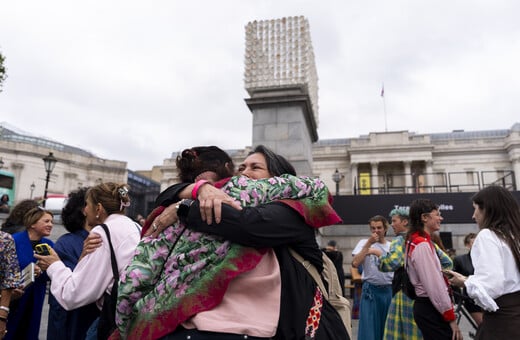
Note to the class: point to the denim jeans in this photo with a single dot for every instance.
(92, 331)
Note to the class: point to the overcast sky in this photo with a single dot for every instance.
(135, 81)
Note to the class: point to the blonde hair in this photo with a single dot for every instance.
(33, 215)
(112, 196)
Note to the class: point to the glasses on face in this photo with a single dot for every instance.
(433, 214)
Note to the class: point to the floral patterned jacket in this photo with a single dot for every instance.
(182, 272)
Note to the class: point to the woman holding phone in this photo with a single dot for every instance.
(25, 313)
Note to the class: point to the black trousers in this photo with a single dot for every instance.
(430, 321)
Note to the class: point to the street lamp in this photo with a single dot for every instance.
(32, 187)
(49, 161)
(337, 177)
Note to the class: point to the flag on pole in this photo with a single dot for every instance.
(383, 90)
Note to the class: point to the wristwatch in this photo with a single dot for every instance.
(183, 208)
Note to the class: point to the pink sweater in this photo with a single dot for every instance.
(424, 269)
(251, 304)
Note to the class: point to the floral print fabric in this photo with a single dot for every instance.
(9, 268)
(183, 272)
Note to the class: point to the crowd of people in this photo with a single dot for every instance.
(486, 280)
(226, 254)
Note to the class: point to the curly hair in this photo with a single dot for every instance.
(72, 213)
(379, 218)
(194, 161)
(403, 213)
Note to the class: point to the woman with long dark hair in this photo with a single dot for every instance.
(495, 285)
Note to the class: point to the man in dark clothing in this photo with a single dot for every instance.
(337, 258)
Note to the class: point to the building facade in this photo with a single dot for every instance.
(402, 165)
(380, 163)
(22, 155)
(405, 162)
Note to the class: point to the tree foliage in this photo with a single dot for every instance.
(3, 73)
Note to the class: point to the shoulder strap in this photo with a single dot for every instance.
(139, 229)
(312, 270)
(113, 260)
(407, 253)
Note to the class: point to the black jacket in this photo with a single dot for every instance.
(277, 226)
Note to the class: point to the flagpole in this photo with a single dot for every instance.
(384, 105)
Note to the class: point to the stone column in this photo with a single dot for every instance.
(281, 79)
(429, 175)
(408, 176)
(516, 169)
(354, 178)
(375, 179)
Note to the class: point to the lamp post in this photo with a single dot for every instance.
(337, 177)
(32, 187)
(49, 161)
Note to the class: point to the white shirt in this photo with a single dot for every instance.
(496, 273)
(93, 274)
(371, 272)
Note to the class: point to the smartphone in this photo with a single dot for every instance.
(43, 249)
(447, 274)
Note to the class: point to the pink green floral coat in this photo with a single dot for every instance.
(182, 272)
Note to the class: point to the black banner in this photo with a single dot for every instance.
(455, 207)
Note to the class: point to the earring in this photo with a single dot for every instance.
(97, 217)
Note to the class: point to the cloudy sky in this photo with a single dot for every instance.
(135, 81)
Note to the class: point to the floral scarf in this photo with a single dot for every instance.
(182, 272)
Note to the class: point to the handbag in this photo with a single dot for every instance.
(334, 295)
(107, 318)
(406, 285)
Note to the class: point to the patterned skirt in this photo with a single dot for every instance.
(400, 324)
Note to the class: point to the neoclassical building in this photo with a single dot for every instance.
(401, 162)
(378, 164)
(384, 169)
(22, 155)
(405, 162)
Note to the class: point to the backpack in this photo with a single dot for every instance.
(334, 295)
